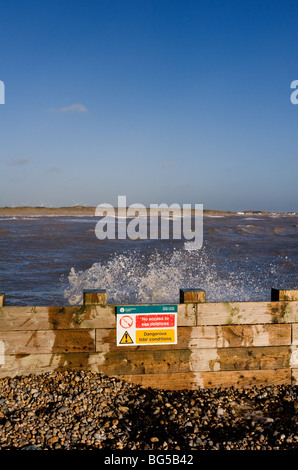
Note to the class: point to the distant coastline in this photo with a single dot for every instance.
(90, 211)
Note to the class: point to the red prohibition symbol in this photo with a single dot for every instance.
(126, 321)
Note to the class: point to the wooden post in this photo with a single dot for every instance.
(95, 297)
(2, 300)
(284, 294)
(192, 296)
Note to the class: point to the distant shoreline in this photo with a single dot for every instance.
(90, 211)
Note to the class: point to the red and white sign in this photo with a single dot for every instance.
(155, 321)
(126, 321)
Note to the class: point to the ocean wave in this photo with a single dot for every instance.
(16, 217)
(137, 278)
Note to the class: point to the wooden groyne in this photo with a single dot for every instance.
(221, 344)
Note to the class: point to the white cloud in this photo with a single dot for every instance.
(78, 108)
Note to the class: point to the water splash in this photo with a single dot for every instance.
(135, 277)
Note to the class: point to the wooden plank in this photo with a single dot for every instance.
(294, 376)
(24, 364)
(228, 313)
(2, 300)
(186, 314)
(85, 316)
(295, 334)
(41, 363)
(189, 381)
(145, 361)
(185, 360)
(270, 357)
(48, 341)
(209, 337)
(99, 316)
(240, 336)
(217, 313)
(294, 357)
(44, 318)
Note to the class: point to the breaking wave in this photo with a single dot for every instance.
(135, 277)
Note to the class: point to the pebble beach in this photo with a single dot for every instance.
(81, 410)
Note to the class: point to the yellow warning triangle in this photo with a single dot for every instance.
(126, 339)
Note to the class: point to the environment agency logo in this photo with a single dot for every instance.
(159, 221)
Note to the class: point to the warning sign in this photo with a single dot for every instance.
(155, 336)
(153, 321)
(126, 339)
(146, 325)
(126, 321)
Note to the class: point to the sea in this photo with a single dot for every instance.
(50, 260)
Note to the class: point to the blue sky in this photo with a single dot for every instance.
(162, 101)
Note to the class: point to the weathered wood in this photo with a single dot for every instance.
(294, 357)
(189, 381)
(192, 296)
(103, 316)
(295, 334)
(268, 357)
(24, 364)
(2, 300)
(224, 336)
(185, 360)
(48, 341)
(41, 363)
(219, 344)
(294, 376)
(44, 318)
(145, 362)
(94, 297)
(85, 316)
(284, 294)
(151, 362)
(228, 313)
(209, 337)
(186, 314)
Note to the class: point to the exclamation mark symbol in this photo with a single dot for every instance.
(126, 339)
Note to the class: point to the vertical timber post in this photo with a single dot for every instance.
(95, 297)
(2, 300)
(192, 296)
(284, 294)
